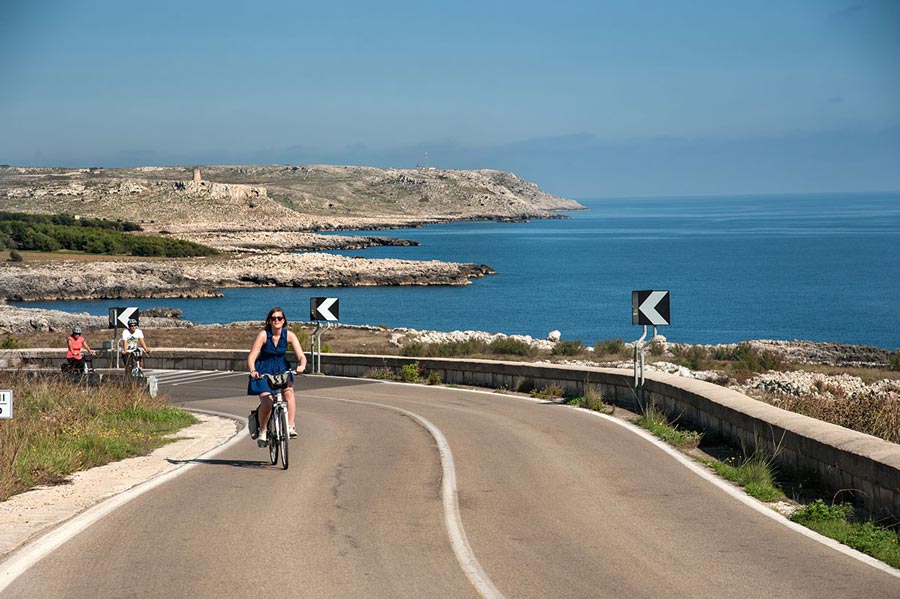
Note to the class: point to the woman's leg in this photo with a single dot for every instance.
(292, 409)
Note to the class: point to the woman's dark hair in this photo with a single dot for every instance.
(269, 318)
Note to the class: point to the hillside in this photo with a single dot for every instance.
(311, 197)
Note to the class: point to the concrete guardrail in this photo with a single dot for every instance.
(851, 465)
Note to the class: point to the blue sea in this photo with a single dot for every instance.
(813, 267)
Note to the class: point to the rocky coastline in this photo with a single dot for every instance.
(206, 277)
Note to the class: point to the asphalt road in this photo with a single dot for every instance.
(554, 502)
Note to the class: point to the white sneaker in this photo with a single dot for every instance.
(292, 432)
(263, 438)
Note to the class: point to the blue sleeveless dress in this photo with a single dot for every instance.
(271, 360)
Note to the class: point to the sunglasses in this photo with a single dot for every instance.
(277, 318)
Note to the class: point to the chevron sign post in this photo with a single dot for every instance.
(648, 308)
(321, 308)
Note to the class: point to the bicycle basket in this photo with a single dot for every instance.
(279, 380)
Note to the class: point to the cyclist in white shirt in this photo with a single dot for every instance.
(132, 342)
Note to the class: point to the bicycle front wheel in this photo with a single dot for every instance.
(284, 439)
(273, 437)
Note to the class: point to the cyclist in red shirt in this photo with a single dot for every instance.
(77, 346)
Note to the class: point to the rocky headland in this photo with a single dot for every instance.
(276, 198)
(267, 221)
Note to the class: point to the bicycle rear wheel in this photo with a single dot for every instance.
(284, 439)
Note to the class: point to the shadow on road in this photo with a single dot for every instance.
(234, 463)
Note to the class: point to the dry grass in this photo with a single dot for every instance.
(878, 416)
(59, 428)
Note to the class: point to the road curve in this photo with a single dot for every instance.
(552, 502)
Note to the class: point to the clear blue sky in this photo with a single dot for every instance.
(586, 98)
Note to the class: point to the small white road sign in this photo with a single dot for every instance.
(6, 404)
(324, 308)
(650, 308)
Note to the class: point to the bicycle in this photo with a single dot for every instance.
(80, 371)
(277, 428)
(133, 367)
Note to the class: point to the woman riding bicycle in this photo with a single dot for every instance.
(267, 356)
(77, 346)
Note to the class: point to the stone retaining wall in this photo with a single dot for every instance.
(847, 463)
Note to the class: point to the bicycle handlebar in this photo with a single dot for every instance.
(280, 380)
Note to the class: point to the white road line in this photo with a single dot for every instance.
(204, 377)
(193, 375)
(171, 374)
(27, 556)
(458, 540)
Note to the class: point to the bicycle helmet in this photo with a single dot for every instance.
(76, 331)
(132, 321)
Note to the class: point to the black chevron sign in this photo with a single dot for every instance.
(324, 308)
(650, 308)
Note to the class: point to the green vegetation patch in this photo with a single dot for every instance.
(60, 428)
(51, 233)
(754, 474)
(836, 522)
(568, 347)
(655, 421)
(591, 400)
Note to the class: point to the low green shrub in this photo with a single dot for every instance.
(609, 347)
(752, 359)
(753, 473)
(571, 347)
(409, 373)
(894, 360)
(548, 392)
(511, 347)
(836, 521)
(591, 400)
(654, 420)
(695, 357)
(10, 342)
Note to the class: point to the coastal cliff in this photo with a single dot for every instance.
(276, 198)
